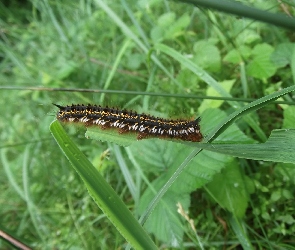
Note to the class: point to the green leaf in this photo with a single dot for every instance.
(282, 56)
(261, 66)
(287, 171)
(238, 55)
(206, 104)
(207, 56)
(165, 222)
(177, 27)
(248, 36)
(168, 27)
(211, 117)
(230, 190)
(186, 77)
(188, 64)
(276, 195)
(245, 110)
(134, 61)
(166, 19)
(102, 193)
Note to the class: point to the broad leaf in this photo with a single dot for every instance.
(261, 66)
(207, 56)
(282, 56)
(231, 189)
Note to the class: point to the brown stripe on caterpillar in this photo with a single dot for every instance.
(129, 121)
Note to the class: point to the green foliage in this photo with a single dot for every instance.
(261, 66)
(207, 104)
(283, 54)
(207, 56)
(168, 27)
(237, 55)
(231, 189)
(184, 55)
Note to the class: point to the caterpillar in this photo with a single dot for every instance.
(129, 121)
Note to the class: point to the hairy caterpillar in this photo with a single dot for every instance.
(129, 121)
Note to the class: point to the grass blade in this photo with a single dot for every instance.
(239, 9)
(278, 148)
(238, 227)
(102, 193)
(253, 106)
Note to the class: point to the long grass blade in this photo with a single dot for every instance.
(102, 193)
(239, 9)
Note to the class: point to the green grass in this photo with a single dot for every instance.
(235, 193)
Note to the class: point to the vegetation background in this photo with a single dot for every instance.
(64, 51)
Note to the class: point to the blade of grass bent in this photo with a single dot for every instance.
(239, 9)
(278, 148)
(253, 106)
(102, 193)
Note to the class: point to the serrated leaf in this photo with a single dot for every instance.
(207, 56)
(230, 189)
(177, 27)
(248, 36)
(261, 66)
(166, 19)
(282, 55)
(168, 27)
(165, 222)
(238, 55)
(186, 77)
